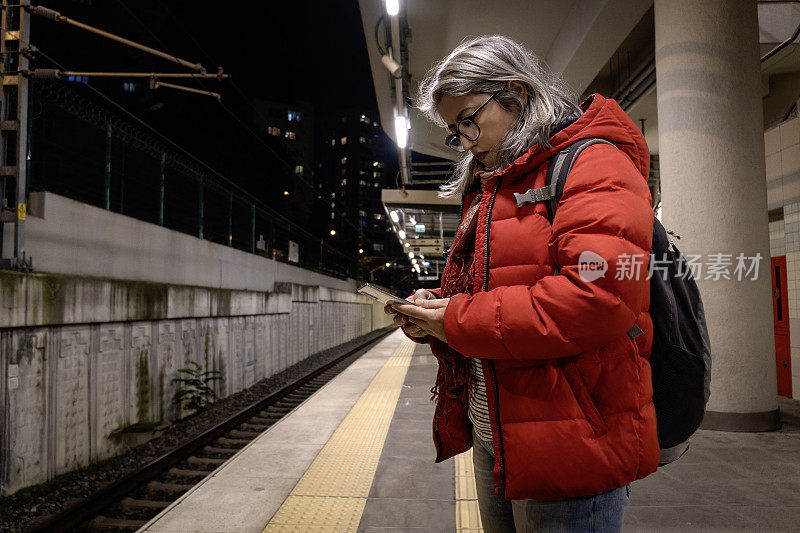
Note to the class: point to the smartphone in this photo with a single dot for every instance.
(381, 295)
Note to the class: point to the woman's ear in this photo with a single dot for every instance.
(519, 88)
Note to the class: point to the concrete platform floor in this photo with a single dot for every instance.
(725, 482)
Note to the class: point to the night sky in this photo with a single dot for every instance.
(287, 51)
(312, 51)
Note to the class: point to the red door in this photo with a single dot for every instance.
(780, 315)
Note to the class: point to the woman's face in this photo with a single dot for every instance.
(493, 120)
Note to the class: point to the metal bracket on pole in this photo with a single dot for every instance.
(14, 43)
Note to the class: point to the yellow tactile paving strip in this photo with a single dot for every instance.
(468, 519)
(332, 493)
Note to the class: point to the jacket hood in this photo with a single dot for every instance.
(602, 118)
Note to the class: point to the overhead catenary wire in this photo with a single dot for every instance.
(58, 17)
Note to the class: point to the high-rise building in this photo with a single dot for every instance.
(291, 126)
(354, 161)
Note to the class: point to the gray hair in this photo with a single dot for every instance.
(484, 65)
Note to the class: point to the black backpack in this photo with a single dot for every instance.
(681, 355)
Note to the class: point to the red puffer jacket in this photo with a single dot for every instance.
(569, 392)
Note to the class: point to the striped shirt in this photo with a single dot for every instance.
(478, 411)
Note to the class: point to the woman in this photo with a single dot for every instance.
(536, 370)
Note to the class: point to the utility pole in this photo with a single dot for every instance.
(14, 42)
(15, 50)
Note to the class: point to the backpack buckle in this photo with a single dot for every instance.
(535, 195)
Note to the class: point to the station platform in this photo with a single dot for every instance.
(358, 455)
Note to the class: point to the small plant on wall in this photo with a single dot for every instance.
(195, 392)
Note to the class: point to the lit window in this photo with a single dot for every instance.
(343, 140)
(129, 86)
(362, 182)
(273, 130)
(375, 124)
(298, 169)
(79, 79)
(333, 142)
(377, 247)
(344, 182)
(343, 160)
(376, 174)
(378, 216)
(291, 116)
(362, 213)
(333, 195)
(362, 140)
(332, 215)
(364, 119)
(289, 135)
(333, 204)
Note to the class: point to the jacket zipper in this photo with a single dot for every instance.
(491, 363)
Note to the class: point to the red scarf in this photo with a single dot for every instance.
(453, 379)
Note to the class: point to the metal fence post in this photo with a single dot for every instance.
(200, 211)
(253, 228)
(163, 186)
(230, 219)
(272, 237)
(107, 202)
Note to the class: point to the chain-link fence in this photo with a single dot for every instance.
(83, 150)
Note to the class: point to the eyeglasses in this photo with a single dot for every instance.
(467, 128)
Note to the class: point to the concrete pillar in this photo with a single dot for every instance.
(711, 151)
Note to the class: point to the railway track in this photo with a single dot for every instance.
(127, 504)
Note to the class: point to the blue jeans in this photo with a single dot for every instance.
(600, 513)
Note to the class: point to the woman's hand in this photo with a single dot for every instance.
(428, 315)
(403, 321)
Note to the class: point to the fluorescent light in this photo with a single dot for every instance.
(411, 255)
(412, 220)
(392, 7)
(394, 216)
(401, 131)
(402, 234)
(414, 261)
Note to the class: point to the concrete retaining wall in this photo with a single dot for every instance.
(64, 236)
(83, 358)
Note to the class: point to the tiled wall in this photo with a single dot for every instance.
(782, 147)
(777, 243)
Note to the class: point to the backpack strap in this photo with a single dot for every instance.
(560, 167)
(557, 172)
